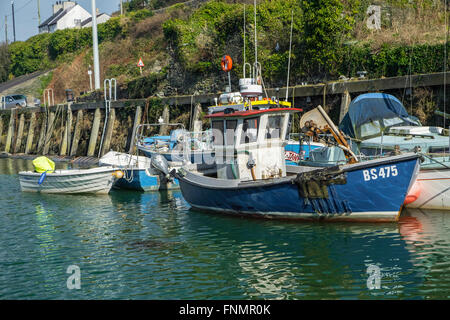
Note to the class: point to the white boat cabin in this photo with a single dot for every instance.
(249, 144)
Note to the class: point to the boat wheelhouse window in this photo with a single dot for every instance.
(250, 130)
(217, 129)
(438, 150)
(230, 132)
(370, 151)
(273, 127)
(392, 121)
(370, 129)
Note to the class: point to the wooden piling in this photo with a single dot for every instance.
(30, 136)
(345, 102)
(19, 134)
(77, 133)
(109, 131)
(9, 137)
(165, 115)
(43, 129)
(65, 143)
(1, 130)
(196, 122)
(49, 133)
(94, 133)
(137, 121)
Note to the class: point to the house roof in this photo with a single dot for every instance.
(56, 16)
(85, 22)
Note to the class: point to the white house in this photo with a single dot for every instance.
(101, 18)
(69, 14)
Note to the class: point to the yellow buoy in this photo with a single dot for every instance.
(118, 174)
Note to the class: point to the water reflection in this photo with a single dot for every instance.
(10, 166)
(282, 260)
(152, 246)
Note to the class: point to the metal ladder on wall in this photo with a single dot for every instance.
(107, 84)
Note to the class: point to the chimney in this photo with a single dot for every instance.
(68, 4)
(97, 11)
(57, 6)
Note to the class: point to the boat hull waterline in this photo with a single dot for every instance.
(142, 180)
(138, 174)
(365, 196)
(433, 189)
(96, 181)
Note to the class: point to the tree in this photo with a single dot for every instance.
(326, 24)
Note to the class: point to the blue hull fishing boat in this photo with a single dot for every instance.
(252, 178)
(372, 191)
(139, 173)
(178, 147)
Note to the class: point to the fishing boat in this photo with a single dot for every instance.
(139, 173)
(257, 182)
(252, 178)
(71, 181)
(381, 126)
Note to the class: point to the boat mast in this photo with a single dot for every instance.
(289, 60)
(244, 39)
(256, 45)
(445, 58)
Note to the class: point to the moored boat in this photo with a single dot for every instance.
(347, 193)
(252, 177)
(178, 147)
(382, 127)
(139, 174)
(72, 181)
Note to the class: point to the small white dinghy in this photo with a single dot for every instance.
(95, 180)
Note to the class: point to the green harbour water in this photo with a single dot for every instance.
(132, 245)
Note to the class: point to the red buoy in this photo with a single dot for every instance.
(413, 194)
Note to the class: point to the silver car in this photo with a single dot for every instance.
(13, 101)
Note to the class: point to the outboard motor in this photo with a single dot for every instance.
(160, 163)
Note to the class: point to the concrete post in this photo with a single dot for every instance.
(9, 137)
(19, 133)
(94, 133)
(30, 136)
(137, 121)
(345, 102)
(109, 132)
(76, 134)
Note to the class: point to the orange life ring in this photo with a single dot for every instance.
(226, 63)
